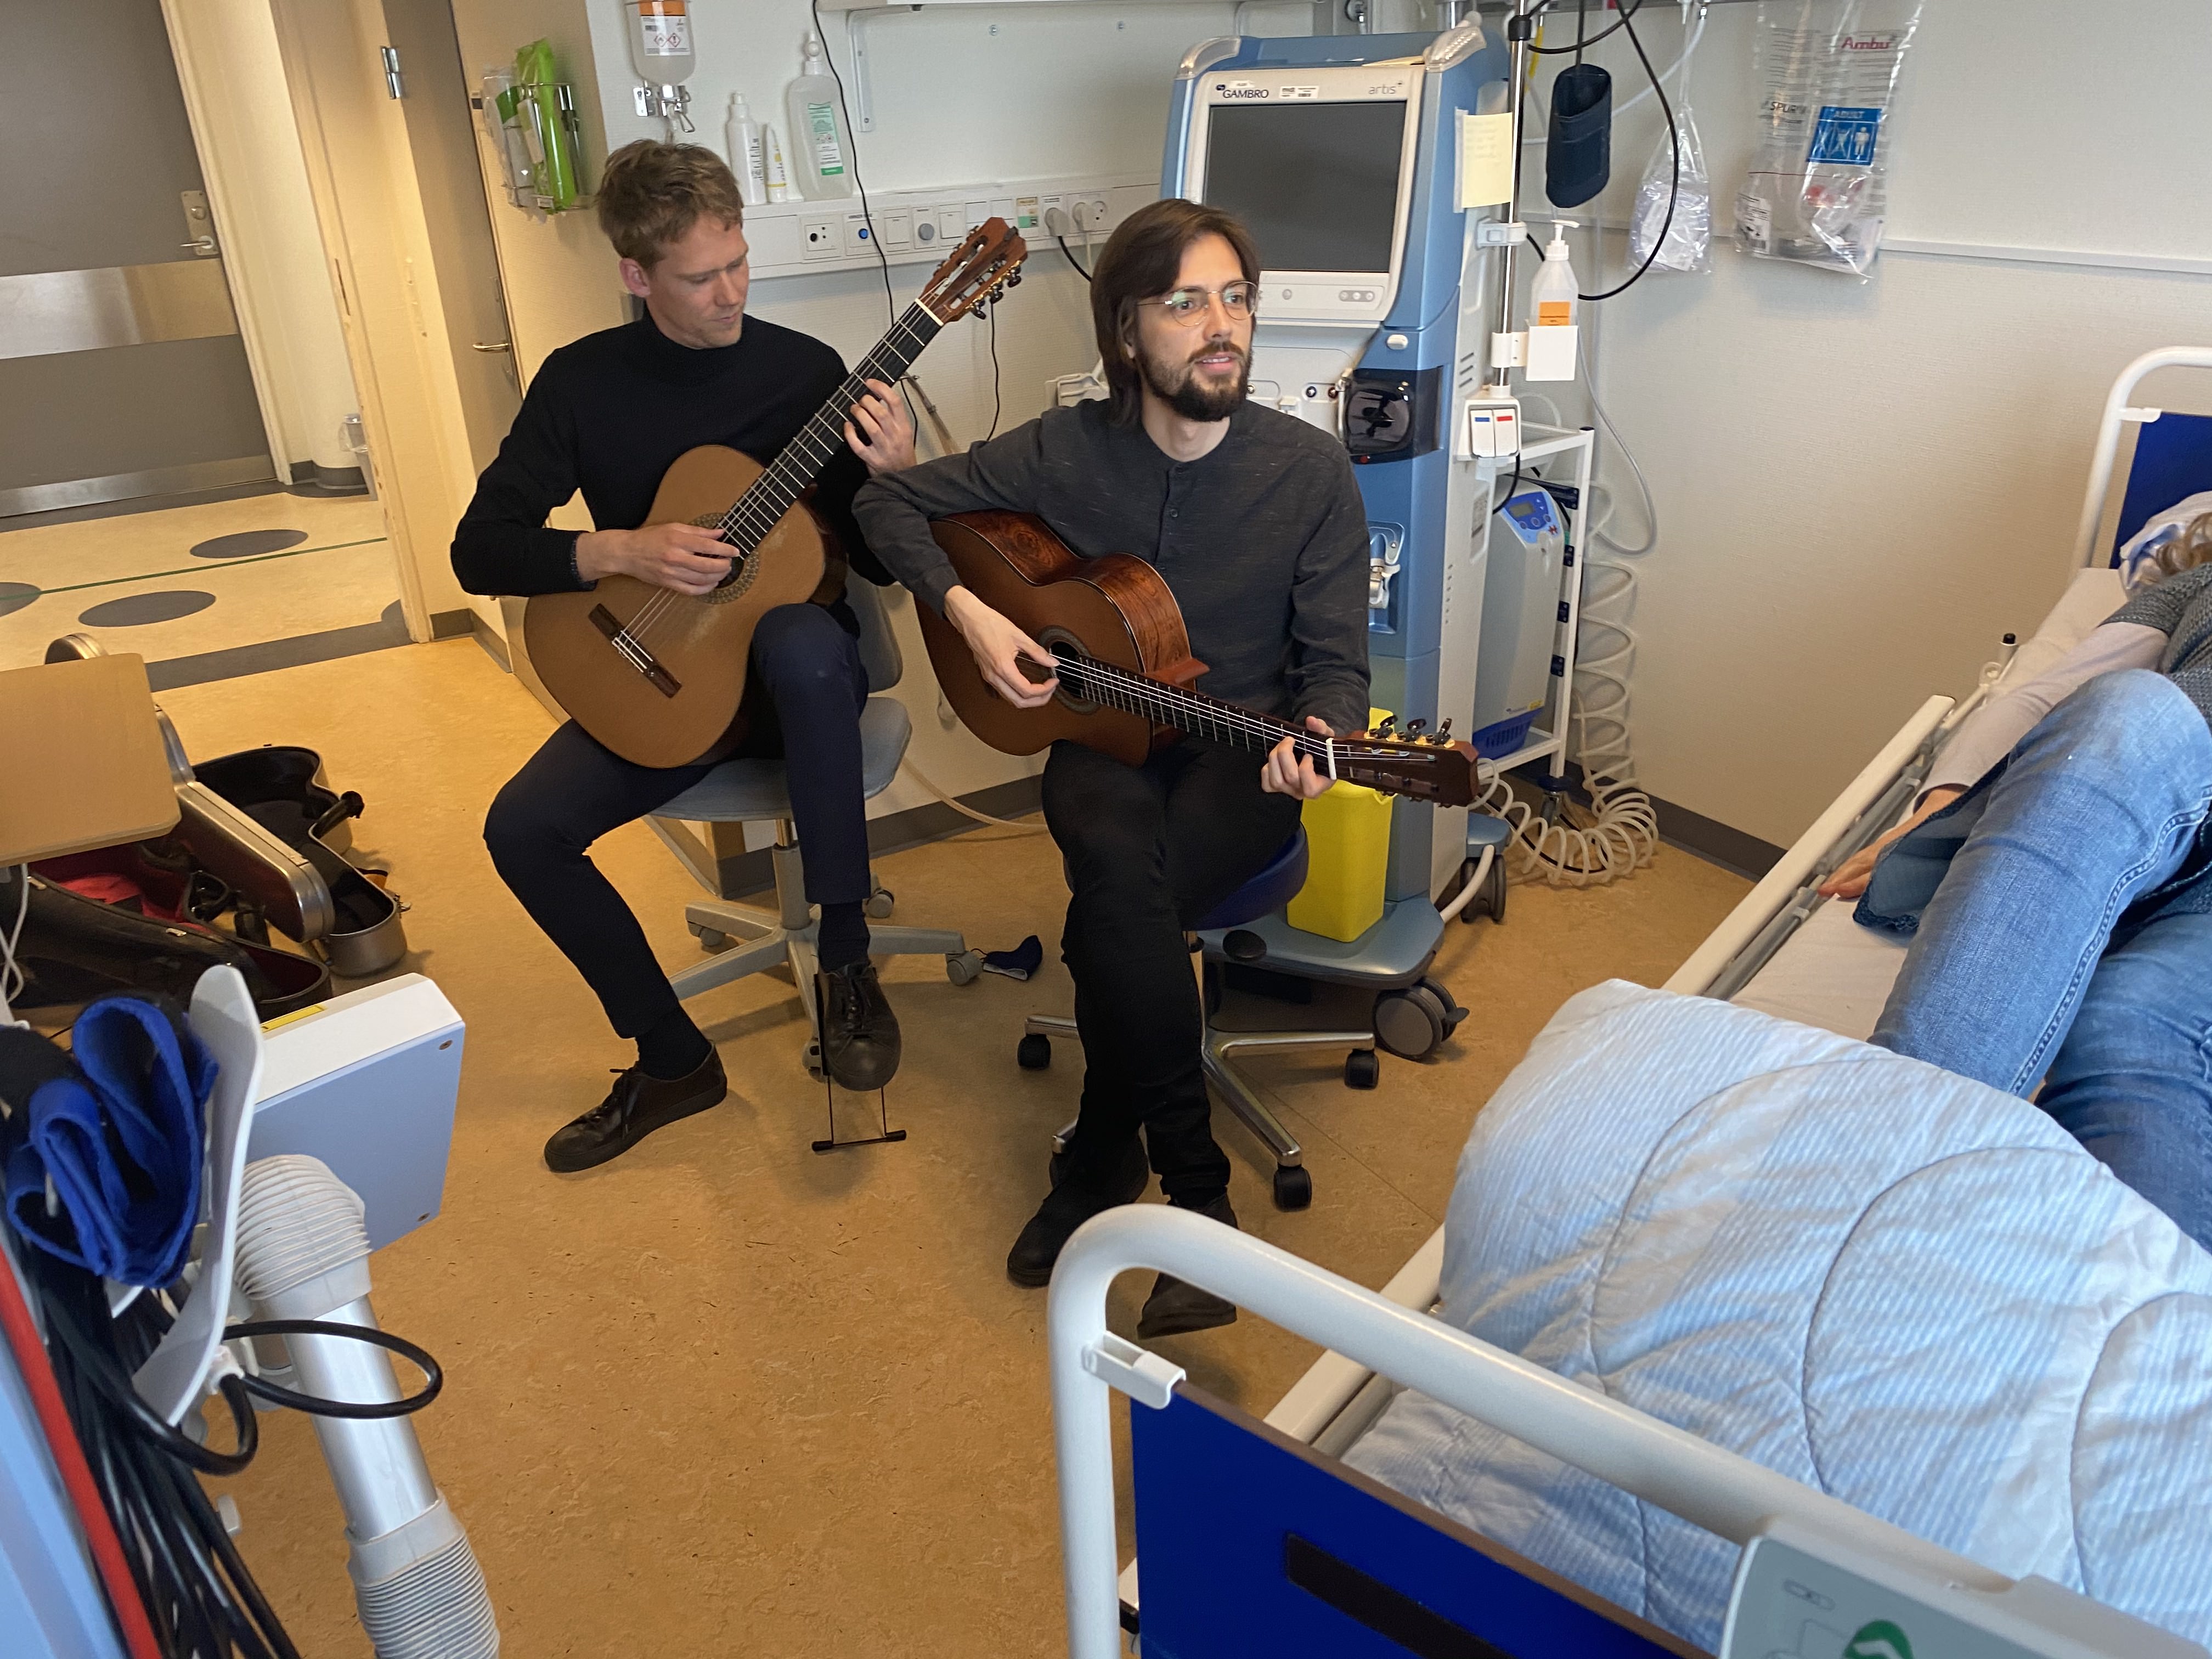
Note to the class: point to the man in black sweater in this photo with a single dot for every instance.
(606, 415)
(1255, 523)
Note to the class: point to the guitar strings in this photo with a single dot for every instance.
(1138, 693)
(751, 517)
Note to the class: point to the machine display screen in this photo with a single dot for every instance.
(1317, 183)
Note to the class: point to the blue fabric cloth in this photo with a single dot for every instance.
(2061, 918)
(118, 1127)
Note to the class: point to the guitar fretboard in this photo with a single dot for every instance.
(746, 524)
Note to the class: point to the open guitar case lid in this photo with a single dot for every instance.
(266, 822)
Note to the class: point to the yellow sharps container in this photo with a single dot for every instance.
(1347, 858)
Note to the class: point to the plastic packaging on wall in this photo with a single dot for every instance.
(1689, 228)
(1828, 73)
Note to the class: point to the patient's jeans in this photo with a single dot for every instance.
(806, 668)
(2062, 921)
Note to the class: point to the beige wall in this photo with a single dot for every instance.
(1861, 486)
(249, 143)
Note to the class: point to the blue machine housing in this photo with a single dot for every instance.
(1421, 502)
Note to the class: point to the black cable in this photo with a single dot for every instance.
(853, 155)
(1627, 12)
(434, 1374)
(1674, 138)
(1070, 252)
(998, 403)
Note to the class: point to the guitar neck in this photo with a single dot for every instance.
(746, 524)
(1193, 712)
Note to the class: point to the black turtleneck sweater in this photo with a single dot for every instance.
(608, 414)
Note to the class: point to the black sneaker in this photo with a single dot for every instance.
(1173, 1308)
(860, 1032)
(1073, 1201)
(637, 1105)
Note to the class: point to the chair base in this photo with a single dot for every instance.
(1293, 1186)
(788, 935)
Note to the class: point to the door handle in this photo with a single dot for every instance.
(202, 245)
(491, 347)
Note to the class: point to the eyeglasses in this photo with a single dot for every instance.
(1188, 305)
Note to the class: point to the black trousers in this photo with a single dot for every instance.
(807, 687)
(1149, 850)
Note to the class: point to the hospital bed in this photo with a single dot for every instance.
(1785, 952)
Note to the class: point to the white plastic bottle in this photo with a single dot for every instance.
(748, 157)
(779, 180)
(1552, 296)
(1553, 302)
(819, 142)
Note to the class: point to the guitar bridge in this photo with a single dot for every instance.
(634, 654)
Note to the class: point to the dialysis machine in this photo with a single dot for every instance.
(1339, 152)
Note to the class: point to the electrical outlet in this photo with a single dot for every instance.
(1089, 212)
(819, 237)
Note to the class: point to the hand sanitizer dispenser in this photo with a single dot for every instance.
(820, 151)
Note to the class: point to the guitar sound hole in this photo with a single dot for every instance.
(1060, 642)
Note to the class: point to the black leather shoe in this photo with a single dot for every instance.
(636, 1106)
(1173, 1308)
(860, 1032)
(1074, 1200)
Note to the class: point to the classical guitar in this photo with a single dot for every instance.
(660, 676)
(1125, 667)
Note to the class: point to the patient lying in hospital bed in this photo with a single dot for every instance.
(2056, 884)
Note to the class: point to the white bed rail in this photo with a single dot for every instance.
(1705, 1485)
(2118, 412)
(1796, 866)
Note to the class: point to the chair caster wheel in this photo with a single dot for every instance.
(1293, 1188)
(1455, 1016)
(1411, 1022)
(709, 941)
(965, 968)
(1034, 1052)
(878, 903)
(1362, 1070)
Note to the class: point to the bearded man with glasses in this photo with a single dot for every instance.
(1254, 522)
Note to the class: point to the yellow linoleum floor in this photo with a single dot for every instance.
(339, 575)
(724, 1396)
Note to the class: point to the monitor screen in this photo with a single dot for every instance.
(1317, 183)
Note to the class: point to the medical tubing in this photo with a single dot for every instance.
(966, 810)
(1674, 138)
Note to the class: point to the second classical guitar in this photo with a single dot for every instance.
(1124, 666)
(660, 676)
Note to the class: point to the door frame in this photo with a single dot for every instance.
(376, 245)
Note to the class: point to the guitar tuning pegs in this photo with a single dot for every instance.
(1444, 732)
(1383, 730)
(1415, 727)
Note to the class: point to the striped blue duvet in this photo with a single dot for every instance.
(1896, 1285)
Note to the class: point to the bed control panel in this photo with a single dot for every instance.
(1799, 1595)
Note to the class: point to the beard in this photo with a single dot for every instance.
(1179, 387)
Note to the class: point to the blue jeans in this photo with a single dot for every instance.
(2062, 930)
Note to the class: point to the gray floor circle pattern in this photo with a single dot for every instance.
(14, 596)
(245, 543)
(137, 610)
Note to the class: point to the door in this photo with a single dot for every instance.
(121, 370)
(435, 98)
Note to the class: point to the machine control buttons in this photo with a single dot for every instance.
(1396, 342)
(1363, 296)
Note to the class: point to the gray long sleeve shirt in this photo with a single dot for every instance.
(1263, 541)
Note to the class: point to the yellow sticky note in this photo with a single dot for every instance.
(1485, 160)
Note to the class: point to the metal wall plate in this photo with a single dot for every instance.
(46, 313)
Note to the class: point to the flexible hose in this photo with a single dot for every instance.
(963, 809)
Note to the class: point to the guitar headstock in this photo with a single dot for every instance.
(1438, 771)
(987, 262)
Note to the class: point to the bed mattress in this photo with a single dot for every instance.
(1907, 1289)
(1833, 973)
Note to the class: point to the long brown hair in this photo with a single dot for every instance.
(1141, 262)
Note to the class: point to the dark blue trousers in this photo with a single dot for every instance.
(807, 687)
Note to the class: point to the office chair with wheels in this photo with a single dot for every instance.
(749, 940)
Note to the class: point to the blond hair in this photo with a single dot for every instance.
(650, 194)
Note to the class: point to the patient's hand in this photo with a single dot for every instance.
(1852, 875)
